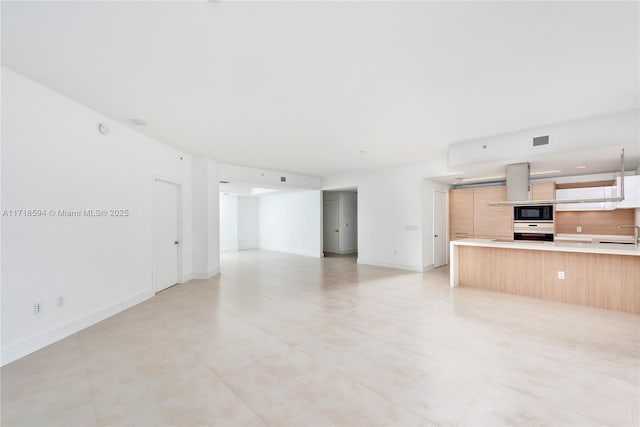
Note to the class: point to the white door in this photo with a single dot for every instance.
(439, 228)
(331, 226)
(166, 239)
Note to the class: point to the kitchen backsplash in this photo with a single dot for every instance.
(596, 222)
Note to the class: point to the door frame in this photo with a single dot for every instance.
(446, 226)
(178, 185)
(339, 200)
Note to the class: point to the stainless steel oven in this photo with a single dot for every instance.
(533, 213)
(533, 231)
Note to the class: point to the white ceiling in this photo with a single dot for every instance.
(304, 87)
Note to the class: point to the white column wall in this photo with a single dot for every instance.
(228, 223)
(291, 222)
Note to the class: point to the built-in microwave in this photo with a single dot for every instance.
(537, 213)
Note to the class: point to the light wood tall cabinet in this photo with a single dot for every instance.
(491, 222)
(471, 216)
(461, 213)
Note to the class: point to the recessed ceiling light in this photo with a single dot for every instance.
(581, 167)
(137, 122)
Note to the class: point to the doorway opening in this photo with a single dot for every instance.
(340, 222)
(239, 229)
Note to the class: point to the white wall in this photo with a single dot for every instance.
(54, 158)
(213, 219)
(291, 222)
(391, 213)
(248, 235)
(228, 223)
(206, 251)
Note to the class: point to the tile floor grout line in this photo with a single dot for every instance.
(86, 374)
(308, 408)
(206, 366)
(423, 418)
(480, 389)
(228, 387)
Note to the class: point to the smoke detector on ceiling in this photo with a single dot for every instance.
(103, 129)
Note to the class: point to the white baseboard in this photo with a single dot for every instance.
(289, 251)
(29, 345)
(407, 267)
(205, 276)
(186, 278)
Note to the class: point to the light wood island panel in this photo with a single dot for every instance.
(598, 280)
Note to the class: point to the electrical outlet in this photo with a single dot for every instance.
(37, 308)
(579, 229)
(60, 301)
(561, 275)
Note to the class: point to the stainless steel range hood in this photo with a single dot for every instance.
(518, 188)
(518, 181)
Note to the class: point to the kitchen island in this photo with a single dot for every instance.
(594, 274)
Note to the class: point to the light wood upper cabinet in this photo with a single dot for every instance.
(491, 222)
(543, 191)
(461, 213)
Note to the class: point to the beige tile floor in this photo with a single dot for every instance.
(287, 340)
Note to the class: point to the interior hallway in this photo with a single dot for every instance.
(282, 339)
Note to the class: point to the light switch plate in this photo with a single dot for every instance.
(561, 275)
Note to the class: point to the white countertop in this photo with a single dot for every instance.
(594, 238)
(559, 246)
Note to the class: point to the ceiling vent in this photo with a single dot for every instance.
(541, 140)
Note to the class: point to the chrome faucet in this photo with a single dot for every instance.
(636, 231)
